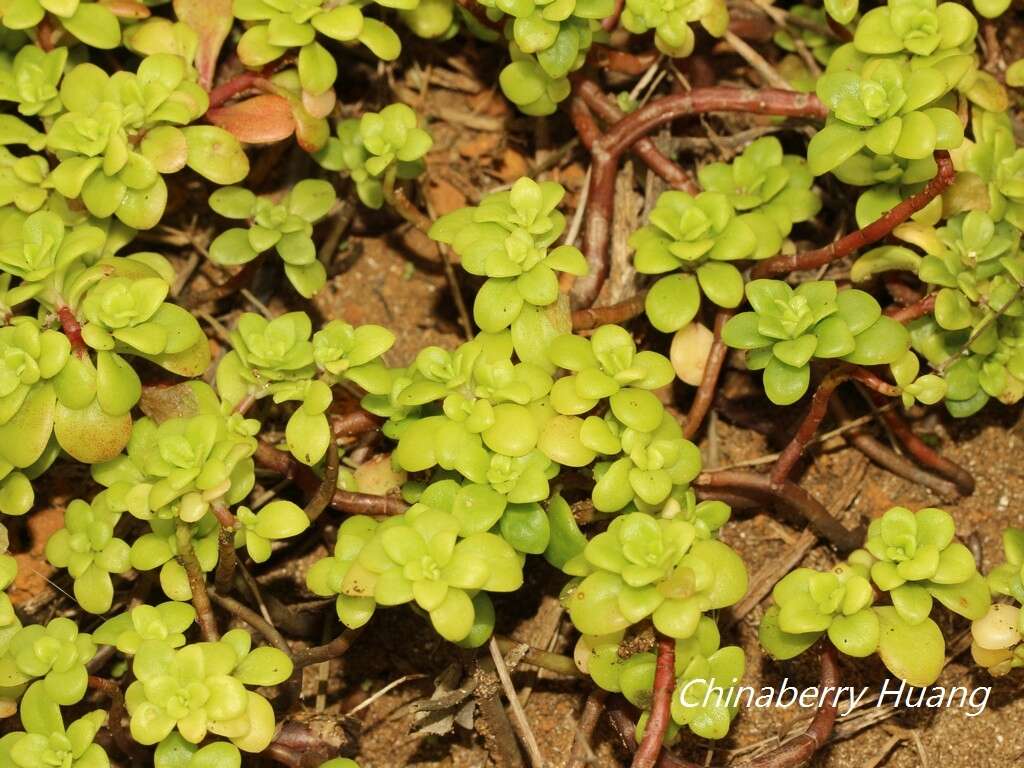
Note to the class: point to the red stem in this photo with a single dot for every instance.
(606, 109)
(592, 317)
(872, 233)
(819, 407)
(116, 715)
(789, 495)
(605, 58)
(923, 453)
(920, 308)
(661, 703)
(705, 395)
(608, 150)
(795, 752)
(72, 329)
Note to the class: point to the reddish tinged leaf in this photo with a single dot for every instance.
(126, 9)
(260, 120)
(211, 20)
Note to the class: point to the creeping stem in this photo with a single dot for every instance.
(872, 233)
(705, 395)
(661, 705)
(607, 151)
(197, 583)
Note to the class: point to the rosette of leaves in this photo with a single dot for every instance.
(55, 654)
(377, 149)
(87, 547)
(643, 566)
(44, 253)
(328, 576)
(655, 462)
(979, 269)
(276, 521)
(530, 86)
(45, 740)
(916, 559)
(507, 239)
(764, 180)
(119, 302)
(695, 238)
(279, 26)
(93, 23)
(602, 366)
(443, 561)
(31, 78)
(787, 328)
(278, 358)
(821, 46)
(285, 226)
(30, 359)
(547, 40)
(809, 603)
(175, 752)
(885, 105)
(671, 22)
(120, 133)
(993, 157)
(183, 466)
(201, 689)
(164, 623)
(160, 547)
(21, 181)
(920, 27)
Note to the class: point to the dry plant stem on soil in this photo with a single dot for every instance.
(607, 151)
(872, 233)
(661, 702)
(817, 410)
(580, 757)
(705, 394)
(197, 583)
(795, 752)
(229, 287)
(494, 724)
(888, 459)
(924, 454)
(337, 648)
(116, 715)
(553, 662)
(789, 495)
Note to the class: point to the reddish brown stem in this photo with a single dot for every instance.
(923, 453)
(244, 81)
(920, 308)
(817, 410)
(661, 705)
(337, 647)
(789, 495)
(580, 757)
(608, 150)
(116, 715)
(328, 485)
(592, 317)
(872, 233)
(840, 30)
(197, 584)
(72, 329)
(44, 33)
(793, 753)
(353, 423)
(350, 503)
(705, 394)
(606, 109)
